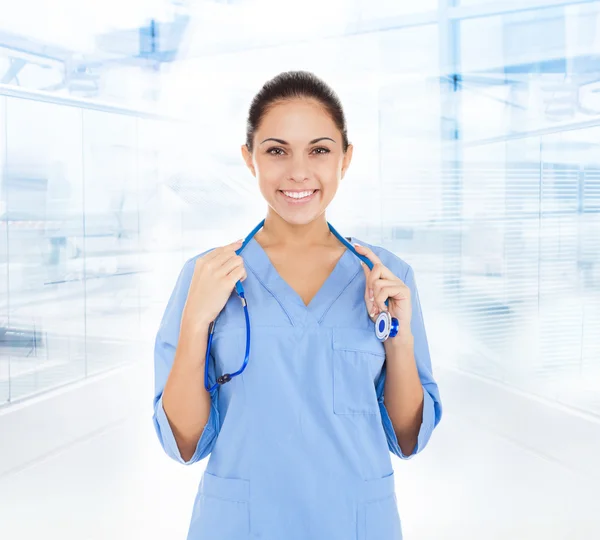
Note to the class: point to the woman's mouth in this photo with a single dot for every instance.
(298, 197)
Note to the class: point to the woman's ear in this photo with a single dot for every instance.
(347, 159)
(248, 159)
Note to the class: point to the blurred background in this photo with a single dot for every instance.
(476, 126)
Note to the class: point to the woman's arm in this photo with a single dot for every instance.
(403, 391)
(185, 400)
(186, 416)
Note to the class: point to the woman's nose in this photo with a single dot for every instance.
(299, 168)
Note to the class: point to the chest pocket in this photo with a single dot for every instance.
(358, 357)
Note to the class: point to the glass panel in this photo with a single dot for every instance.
(70, 249)
(90, 49)
(112, 263)
(499, 241)
(529, 205)
(410, 198)
(479, 2)
(568, 360)
(161, 210)
(529, 70)
(300, 22)
(523, 4)
(380, 9)
(530, 279)
(45, 339)
(4, 352)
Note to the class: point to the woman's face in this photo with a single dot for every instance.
(298, 160)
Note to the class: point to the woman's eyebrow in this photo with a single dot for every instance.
(281, 141)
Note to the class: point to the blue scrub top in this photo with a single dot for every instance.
(300, 443)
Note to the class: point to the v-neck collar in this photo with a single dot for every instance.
(342, 274)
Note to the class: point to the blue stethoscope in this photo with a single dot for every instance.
(385, 325)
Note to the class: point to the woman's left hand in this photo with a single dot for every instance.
(381, 285)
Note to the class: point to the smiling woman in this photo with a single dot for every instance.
(300, 174)
(301, 437)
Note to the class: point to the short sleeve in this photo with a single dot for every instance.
(432, 405)
(164, 353)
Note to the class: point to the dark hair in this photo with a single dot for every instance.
(291, 85)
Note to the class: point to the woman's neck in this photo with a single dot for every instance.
(278, 233)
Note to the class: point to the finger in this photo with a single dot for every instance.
(227, 248)
(231, 265)
(382, 282)
(223, 264)
(372, 307)
(371, 304)
(380, 296)
(370, 279)
(367, 252)
(376, 275)
(369, 300)
(368, 290)
(238, 274)
(380, 299)
(219, 251)
(367, 273)
(387, 291)
(373, 310)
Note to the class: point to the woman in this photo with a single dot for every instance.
(300, 441)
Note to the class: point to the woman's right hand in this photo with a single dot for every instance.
(215, 276)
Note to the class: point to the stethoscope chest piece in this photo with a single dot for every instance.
(386, 326)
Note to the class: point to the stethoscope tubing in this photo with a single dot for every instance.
(226, 377)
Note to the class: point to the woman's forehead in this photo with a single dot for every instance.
(298, 119)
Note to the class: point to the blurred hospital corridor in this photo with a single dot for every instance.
(475, 129)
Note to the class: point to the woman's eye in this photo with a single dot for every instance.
(275, 151)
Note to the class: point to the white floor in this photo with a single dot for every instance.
(468, 484)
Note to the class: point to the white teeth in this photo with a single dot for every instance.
(299, 195)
